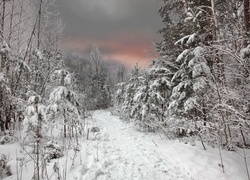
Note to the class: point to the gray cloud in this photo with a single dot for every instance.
(105, 18)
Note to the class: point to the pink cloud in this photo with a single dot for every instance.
(124, 47)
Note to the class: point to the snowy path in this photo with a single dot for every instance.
(119, 152)
(125, 154)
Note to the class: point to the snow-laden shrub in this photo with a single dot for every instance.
(7, 139)
(63, 110)
(53, 150)
(34, 123)
(4, 167)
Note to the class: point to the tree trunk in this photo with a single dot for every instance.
(3, 18)
(39, 24)
(38, 137)
(246, 23)
(11, 21)
(64, 125)
(218, 69)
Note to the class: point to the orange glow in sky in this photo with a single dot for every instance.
(125, 49)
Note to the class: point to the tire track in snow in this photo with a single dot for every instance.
(123, 155)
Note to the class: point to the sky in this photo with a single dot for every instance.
(124, 30)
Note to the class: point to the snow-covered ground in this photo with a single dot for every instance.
(119, 152)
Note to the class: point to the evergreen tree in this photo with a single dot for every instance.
(190, 97)
(140, 109)
(130, 91)
(160, 88)
(184, 57)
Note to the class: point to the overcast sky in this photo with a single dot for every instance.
(123, 29)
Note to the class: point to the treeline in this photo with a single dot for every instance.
(200, 84)
(96, 77)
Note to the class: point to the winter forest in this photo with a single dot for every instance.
(184, 116)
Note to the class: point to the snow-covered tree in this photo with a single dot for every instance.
(96, 57)
(99, 94)
(195, 76)
(130, 91)
(207, 67)
(5, 87)
(150, 100)
(119, 94)
(5, 101)
(140, 109)
(184, 59)
(63, 105)
(34, 129)
(34, 123)
(160, 87)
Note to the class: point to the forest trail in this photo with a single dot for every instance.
(118, 152)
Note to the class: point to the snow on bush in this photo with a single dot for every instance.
(35, 120)
(4, 48)
(245, 52)
(38, 54)
(53, 150)
(188, 40)
(4, 167)
(7, 139)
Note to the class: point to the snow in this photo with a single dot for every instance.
(190, 104)
(245, 52)
(200, 84)
(30, 110)
(137, 96)
(182, 55)
(198, 52)
(67, 79)
(191, 38)
(58, 93)
(38, 54)
(4, 47)
(189, 17)
(33, 99)
(2, 78)
(118, 151)
(182, 40)
(192, 16)
(188, 39)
